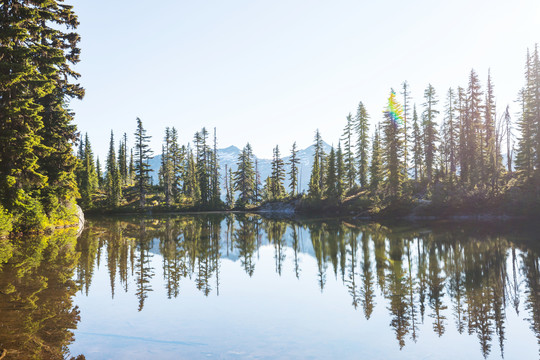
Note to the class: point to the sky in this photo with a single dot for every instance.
(272, 72)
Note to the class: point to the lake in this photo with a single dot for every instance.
(241, 286)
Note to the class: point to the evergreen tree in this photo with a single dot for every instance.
(430, 131)
(491, 171)
(244, 177)
(89, 181)
(330, 178)
(167, 169)
(418, 147)
(406, 108)
(57, 49)
(293, 173)
(37, 166)
(142, 158)
(277, 189)
(349, 160)
(203, 165)
(376, 162)
(230, 190)
(215, 197)
(112, 181)
(393, 146)
(340, 173)
(362, 144)
(122, 160)
(99, 175)
(450, 136)
(474, 129)
(191, 184)
(177, 155)
(131, 168)
(316, 181)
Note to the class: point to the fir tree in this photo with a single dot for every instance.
(474, 154)
(89, 181)
(418, 152)
(316, 181)
(112, 181)
(430, 130)
(277, 189)
(393, 146)
(215, 197)
(99, 175)
(406, 108)
(450, 136)
(362, 144)
(340, 173)
(376, 162)
(167, 169)
(349, 160)
(244, 177)
(293, 173)
(490, 172)
(331, 180)
(142, 166)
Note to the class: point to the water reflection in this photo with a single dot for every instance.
(446, 277)
(422, 283)
(37, 314)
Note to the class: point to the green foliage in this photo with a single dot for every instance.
(5, 222)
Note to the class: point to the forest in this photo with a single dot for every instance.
(459, 157)
(449, 154)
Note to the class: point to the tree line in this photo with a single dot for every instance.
(428, 151)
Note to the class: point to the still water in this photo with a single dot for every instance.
(241, 286)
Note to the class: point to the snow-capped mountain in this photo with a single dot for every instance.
(229, 156)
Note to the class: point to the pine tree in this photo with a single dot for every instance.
(430, 130)
(277, 189)
(393, 146)
(418, 147)
(167, 169)
(450, 135)
(215, 197)
(490, 155)
(293, 173)
(474, 130)
(142, 158)
(99, 175)
(37, 166)
(349, 160)
(376, 162)
(122, 160)
(340, 173)
(406, 97)
(89, 181)
(191, 184)
(316, 181)
(362, 144)
(463, 113)
(230, 190)
(57, 49)
(244, 177)
(535, 108)
(113, 185)
(177, 155)
(330, 178)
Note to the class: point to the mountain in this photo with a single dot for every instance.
(229, 156)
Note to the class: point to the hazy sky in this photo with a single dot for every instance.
(271, 72)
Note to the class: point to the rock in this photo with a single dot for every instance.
(80, 215)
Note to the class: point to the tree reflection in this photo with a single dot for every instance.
(36, 291)
(445, 277)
